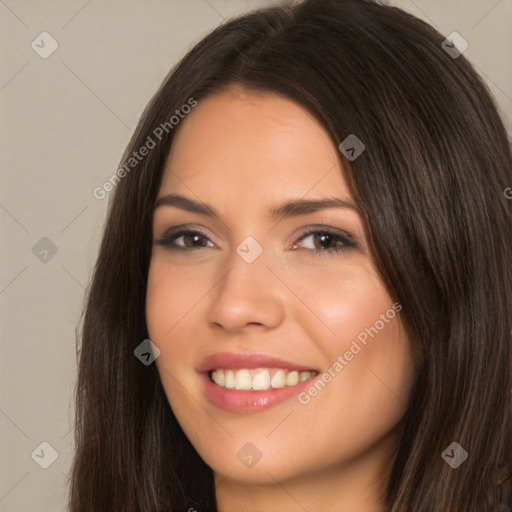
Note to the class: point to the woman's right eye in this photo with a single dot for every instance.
(189, 239)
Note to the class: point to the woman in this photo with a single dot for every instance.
(224, 365)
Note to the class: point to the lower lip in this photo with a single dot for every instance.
(233, 400)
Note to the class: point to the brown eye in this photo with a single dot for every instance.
(190, 239)
(326, 242)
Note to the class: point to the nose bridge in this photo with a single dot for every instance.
(249, 292)
(248, 277)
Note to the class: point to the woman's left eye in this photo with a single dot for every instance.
(325, 241)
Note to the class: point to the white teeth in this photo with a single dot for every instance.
(292, 378)
(259, 379)
(243, 380)
(304, 376)
(230, 378)
(218, 377)
(278, 380)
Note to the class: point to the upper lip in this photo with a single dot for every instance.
(229, 360)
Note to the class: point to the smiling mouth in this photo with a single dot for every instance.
(259, 379)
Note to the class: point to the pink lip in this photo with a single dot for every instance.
(247, 401)
(229, 360)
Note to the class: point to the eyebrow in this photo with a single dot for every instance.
(291, 208)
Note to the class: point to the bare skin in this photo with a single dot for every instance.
(242, 152)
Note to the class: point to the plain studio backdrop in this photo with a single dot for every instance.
(74, 79)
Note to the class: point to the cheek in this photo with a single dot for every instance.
(369, 370)
(170, 299)
(343, 299)
(365, 387)
(171, 295)
(372, 385)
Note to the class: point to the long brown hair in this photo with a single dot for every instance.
(430, 186)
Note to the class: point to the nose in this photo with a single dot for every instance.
(248, 294)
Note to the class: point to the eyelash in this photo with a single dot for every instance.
(168, 240)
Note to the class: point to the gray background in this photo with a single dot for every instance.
(65, 122)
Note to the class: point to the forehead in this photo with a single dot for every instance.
(253, 143)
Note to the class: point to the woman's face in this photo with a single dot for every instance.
(269, 295)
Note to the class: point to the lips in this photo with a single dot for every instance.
(248, 360)
(251, 382)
